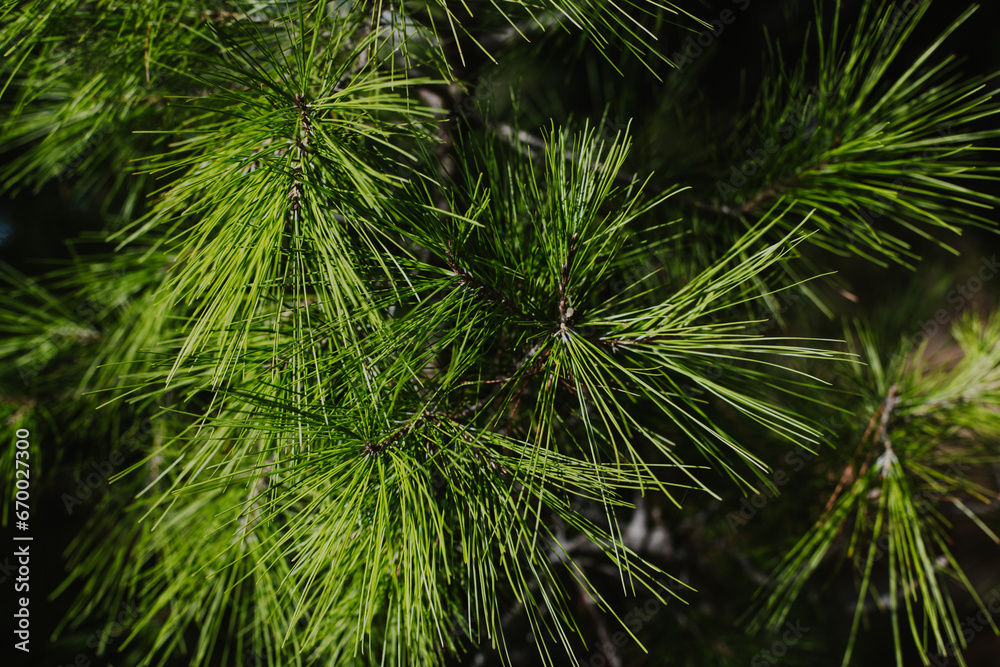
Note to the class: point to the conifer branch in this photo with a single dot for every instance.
(442, 372)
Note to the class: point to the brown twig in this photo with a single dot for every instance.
(566, 311)
(880, 417)
(478, 286)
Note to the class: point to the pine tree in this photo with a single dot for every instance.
(393, 349)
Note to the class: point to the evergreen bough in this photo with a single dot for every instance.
(416, 361)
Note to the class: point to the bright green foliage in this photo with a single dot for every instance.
(389, 357)
(880, 138)
(926, 422)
